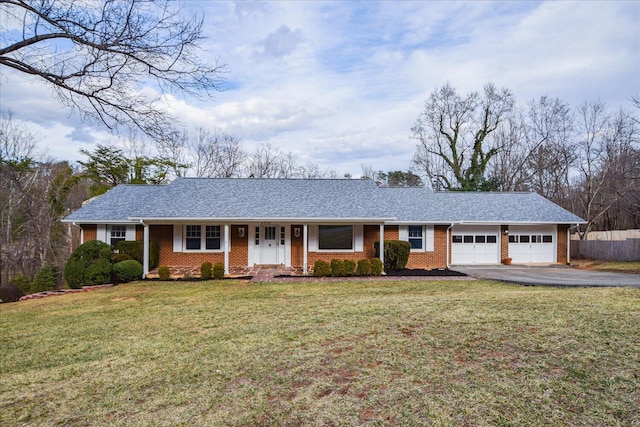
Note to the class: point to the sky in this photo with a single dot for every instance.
(340, 84)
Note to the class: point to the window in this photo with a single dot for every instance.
(415, 236)
(513, 239)
(547, 239)
(468, 239)
(212, 237)
(492, 239)
(335, 237)
(257, 235)
(193, 237)
(536, 239)
(481, 239)
(203, 237)
(118, 234)
(456, 238)
(524, 239)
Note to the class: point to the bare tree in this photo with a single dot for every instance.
(97, 56)
(452, 136)
(216, 154)
(266, 161)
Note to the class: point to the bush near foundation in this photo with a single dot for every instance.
(206, 270)
(396, 254)
(128, 270)
(135, 250)
(376, 267)
(337, 268)
(164, 273)
(349, 267)
(218, 271)
(89, 264)
(364, 267)
(321, 269)
(10, 293)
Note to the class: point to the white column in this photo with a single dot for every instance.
(227, 242)
(305, 244)
(382, 243)
(145, 251)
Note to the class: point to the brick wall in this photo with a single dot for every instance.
(562, 244)
(89, 232)
(435, 259)
(504, 243)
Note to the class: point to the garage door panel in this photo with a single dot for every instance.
(475, 245)
(533, 244)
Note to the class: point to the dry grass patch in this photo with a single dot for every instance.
(353, 353)
(619, 266)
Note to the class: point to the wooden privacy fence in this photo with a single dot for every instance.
(608, 250)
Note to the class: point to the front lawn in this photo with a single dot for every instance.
(323, 353)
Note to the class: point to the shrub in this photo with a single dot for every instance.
(43, 280)
(10, 293)
(89, 264)
(321, 269)
(376, 267)
(364, 267)
(349, 267)
(120, 257)
(135, 250)
(396, 254)
(128, 270)
(164, 273)
(218, 271)
(23, 282)
(337, 267)
(206, 270)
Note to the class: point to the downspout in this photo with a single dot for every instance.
(448, 243)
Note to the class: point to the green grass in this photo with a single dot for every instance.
(322, 354)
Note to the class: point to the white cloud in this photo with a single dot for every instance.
(340, 83)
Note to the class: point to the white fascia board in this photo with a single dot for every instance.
(95, 221)
(260, 220)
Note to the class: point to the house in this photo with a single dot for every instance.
(244, 222)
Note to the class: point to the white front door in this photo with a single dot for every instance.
(269, 245)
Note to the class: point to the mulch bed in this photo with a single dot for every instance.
(407, 272)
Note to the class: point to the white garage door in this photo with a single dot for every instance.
(533, 244)
(475, 244)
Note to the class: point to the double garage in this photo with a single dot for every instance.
(480, 244)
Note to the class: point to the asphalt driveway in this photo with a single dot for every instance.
(550, 275)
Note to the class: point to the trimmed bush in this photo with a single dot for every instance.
(10, 293)
(349, 267)
(89, 264)
(376, 266)
(396, 254)
(164, 273)
(135, 249)
(120, 257)
(337, 267)
(43, 280)
(364, 267)
(128, 270)
(206, 270)
(218, 271)
(321, 269)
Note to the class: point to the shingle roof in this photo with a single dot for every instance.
(272, 199)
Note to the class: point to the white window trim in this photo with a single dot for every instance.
(357, 243)
(428, 243)
(180, 239)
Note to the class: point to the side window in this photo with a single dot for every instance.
(415, 236)
(118, 233)
(212, 237)
(193, 237)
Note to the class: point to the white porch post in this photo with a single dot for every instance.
(227, 242)
(145, 251)
(382, 243)
(305, 244)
